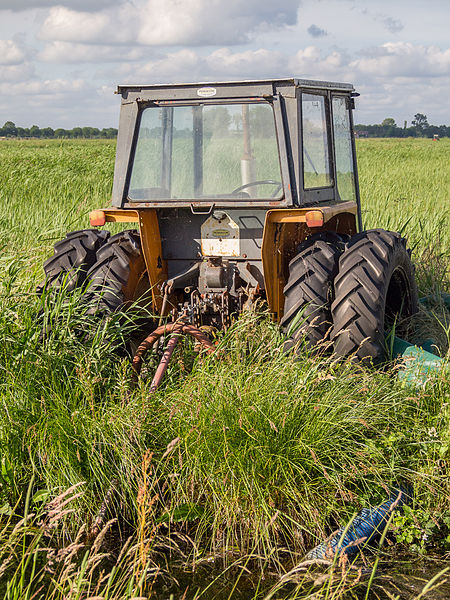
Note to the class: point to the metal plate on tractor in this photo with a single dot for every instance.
(220, 236)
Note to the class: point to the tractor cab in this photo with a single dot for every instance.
(260, 143)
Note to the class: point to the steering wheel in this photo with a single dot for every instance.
(241, 188)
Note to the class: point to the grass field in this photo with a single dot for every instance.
(252, 459)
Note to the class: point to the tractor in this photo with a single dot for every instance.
(237, 193)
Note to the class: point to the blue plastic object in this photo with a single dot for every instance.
(418, 364)
(365, 527)
(428, 345)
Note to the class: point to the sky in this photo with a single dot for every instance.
(60, 61)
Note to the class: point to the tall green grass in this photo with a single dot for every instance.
(253, 454)
(405, 187)
(35, 562)
(269, 451)
(47, 189)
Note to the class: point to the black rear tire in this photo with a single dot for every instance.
(308, 292)
(375, 287)
(114, 279)
(73, 257)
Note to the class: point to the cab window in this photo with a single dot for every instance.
(206, 152)
(316, 156)
(345, 176)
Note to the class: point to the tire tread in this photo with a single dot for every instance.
(108, 276)
(360, 289)
(73, 257)
(309, 288)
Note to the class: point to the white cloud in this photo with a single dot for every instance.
(403, 59)
(211, 22)
(311, 63)
(90, 5)
(71, 53)
(64, 24)
(250, 63)
(11, 53)
(57, 103)
(15, 73)
(222, 64)
(152, 22)
(48, 87)
(381, 63)
(399, 60)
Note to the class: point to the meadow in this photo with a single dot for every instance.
(224, 478)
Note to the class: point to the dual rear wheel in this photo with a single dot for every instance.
(110, 268)
(348, 293)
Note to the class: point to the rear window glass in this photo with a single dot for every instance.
(206, 151)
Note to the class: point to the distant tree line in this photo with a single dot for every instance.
(388, 128)
(9, 129)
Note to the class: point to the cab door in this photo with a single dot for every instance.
(344, 159)
(316, 143)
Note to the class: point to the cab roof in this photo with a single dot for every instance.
(250, 83)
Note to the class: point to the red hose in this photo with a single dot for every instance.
(177, 329)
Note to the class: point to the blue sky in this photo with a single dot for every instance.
(61, 61)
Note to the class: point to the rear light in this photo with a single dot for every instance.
(97, 218)
(314, 218)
